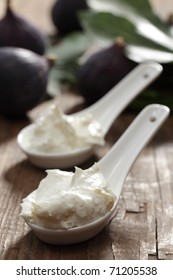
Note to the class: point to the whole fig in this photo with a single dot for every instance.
(102, 71)
(64, 15)
(17, 32)
(23, 80)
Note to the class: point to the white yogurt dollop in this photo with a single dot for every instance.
(54, 132)
(65, 199)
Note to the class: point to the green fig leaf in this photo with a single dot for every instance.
(134, 10)
(105, 24)
(53, 88)
(151, 96)
(68, 51)
(71, 47)
(141, 15)
(143, 9)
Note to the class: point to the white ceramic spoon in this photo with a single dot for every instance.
(115, 166)
(105, 111)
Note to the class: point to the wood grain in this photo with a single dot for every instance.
(143, 226)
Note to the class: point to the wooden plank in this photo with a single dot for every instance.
(142, 228)
(164, 163)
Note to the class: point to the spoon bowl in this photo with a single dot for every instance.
(72, 235)
(105, 111)
(115, 166)
(54, 160)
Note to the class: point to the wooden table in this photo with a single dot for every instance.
(143, 226)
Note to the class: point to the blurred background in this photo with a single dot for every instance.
(146, 27)
(32, 8)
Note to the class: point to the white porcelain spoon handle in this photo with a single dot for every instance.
(112, 104)
(117, 163)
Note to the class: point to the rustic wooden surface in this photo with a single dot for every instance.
(143, 226)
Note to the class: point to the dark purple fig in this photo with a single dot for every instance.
(23, 80)
(65, 15)
(15, 31)
(102, 71)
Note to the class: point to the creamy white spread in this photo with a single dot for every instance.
(69, 199)
(54, 132)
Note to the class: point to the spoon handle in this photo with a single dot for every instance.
(118, 161)
(112, 104)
